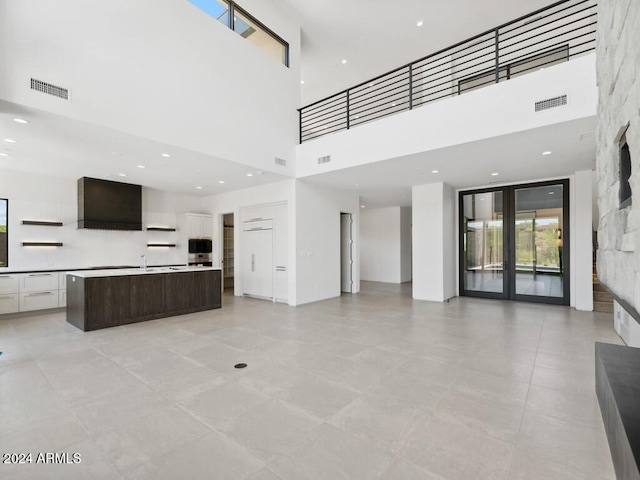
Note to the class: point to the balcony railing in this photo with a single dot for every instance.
(543, 38)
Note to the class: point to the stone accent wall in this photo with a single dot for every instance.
(618, 66)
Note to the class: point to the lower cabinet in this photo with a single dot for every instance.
(38, 300)
(9, 303)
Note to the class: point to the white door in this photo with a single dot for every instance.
(346, 252)
(258, 263)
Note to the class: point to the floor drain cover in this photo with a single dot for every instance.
(240, 365)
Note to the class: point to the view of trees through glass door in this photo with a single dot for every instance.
(512, 242)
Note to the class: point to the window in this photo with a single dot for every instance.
(4, 208)
(240, 21)
(625, 173)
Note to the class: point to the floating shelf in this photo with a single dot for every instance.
(41, 244)
(161, 244)
(160, 229)
(42, 223)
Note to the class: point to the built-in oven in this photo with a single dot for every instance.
(200, 245)
(200, 260)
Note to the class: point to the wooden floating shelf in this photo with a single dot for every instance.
(161, 244)
(41, 244)
(160, 229)
(41, 223)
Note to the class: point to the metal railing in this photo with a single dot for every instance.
(543, 38)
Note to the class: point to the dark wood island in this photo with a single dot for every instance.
(107, 298)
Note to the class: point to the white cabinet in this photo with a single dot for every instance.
(9, 303)
(38, 282)
(9, 288)
(38, 300)
(62, 280)
(257, 254)
(280, 253)
(199, 225)
(9, 284)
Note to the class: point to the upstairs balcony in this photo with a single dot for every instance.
(550, 36)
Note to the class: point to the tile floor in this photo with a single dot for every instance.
(373, 385)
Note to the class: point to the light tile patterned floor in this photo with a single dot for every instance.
(373, 385)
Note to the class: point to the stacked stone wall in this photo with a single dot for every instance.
(618, 65)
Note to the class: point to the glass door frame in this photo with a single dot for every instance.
(509, 253)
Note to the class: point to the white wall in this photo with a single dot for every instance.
(380, 245)
(500, 109)
(582, 240)
(434, 252)
(160, 70)
(39, 197)
(317, 230)
(385, 244)
(405, 244)
(233, 202)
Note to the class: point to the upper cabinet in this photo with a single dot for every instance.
(198, 225)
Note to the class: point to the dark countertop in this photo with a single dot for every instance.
(622, 367)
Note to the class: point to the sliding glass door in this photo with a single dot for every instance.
(513, 242)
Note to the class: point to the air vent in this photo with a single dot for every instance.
(281, 161)
(551, 103)
(325, 159)
(49, 89)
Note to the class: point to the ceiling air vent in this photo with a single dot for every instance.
(49, 89)
(281, 161)
(551, 103)
(325, 159)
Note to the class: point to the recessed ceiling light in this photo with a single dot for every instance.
(301, 82)
(9, 140)
(199, 187)
(141, 166)
(166, 155)
(4, 154)
(548, 152)
(552, 193)
(249, 174)
(220, 181)
(344, 60)
(435, 171)
(393, 104)
(361, 206)
(20, 120)
(122, 174)
(420, 23)
(495, 174)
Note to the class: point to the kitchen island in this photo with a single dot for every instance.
(99, 299)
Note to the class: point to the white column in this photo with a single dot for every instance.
(434, 242)
(582, 234)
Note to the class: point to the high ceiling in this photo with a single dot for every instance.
(373, 37)
(376, 36)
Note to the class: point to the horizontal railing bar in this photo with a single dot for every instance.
(581, 27)
(538, 27)
(491, 58)
(557, 44)
(490, 47)
(405, 85)
(568, 7)
(340, 108)
(331, 100)
(328, 129)
(375, 106)
(328, 120)
(378, 91)
(322, 133)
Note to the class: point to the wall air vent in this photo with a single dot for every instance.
(49, 89)
(551, 103)
(281, 161)
(325, 159)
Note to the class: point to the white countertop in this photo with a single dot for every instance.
(120, 272)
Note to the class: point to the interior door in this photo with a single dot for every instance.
(346, 252)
